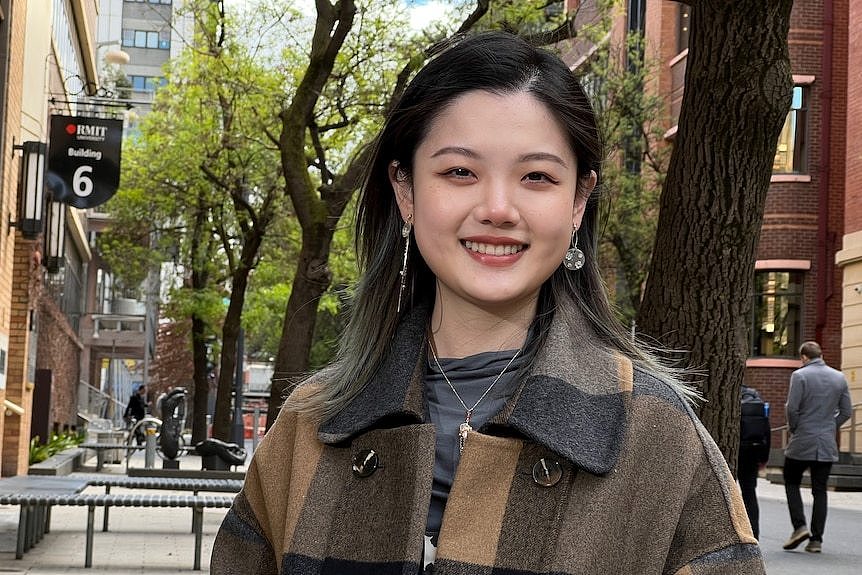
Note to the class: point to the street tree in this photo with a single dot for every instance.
(698, 293)
(203, 166)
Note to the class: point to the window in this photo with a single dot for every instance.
(777, 313)
(146, 39)
(146, 83)
(683, 28)
(790, 157)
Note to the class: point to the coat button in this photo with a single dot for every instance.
(547, 472)
(365, 463)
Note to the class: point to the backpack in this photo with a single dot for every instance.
(754, 429)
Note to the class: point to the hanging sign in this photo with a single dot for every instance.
(84, 160)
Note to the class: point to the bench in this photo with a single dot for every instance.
(62, 463)
(101, 448)
(35, 509)
(168, 483)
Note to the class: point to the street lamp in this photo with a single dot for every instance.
(119, 57)
(32, 189)
(55, 236)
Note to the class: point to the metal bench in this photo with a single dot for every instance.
(101, 448)
(167, 483)
(35, 510)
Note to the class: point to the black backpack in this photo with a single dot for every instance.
(754, 429)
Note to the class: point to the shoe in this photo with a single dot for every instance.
(799, 535)
(814, 546)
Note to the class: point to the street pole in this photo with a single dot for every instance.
(238, 431)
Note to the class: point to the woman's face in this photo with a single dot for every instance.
(493, 199)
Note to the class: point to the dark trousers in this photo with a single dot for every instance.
(746, 473)
(819, 470)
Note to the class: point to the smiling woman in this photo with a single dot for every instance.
(486, 413)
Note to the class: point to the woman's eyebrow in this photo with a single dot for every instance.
(461, 151)
(543, 156)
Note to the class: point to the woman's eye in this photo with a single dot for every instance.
(539, 177)
(460, 172)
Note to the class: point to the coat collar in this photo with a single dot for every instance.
(574, 400)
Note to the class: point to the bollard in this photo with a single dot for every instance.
(150, 447)
(254, 424)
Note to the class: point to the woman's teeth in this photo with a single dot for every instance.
(493, 249)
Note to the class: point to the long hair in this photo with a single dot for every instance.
(495, 62)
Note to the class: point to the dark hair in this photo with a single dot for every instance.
(810, 349)
(499, 63)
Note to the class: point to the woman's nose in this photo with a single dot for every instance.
(497, 205)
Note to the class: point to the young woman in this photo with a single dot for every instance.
(485, 413)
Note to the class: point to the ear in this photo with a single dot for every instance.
(586, 185)
(402, 186)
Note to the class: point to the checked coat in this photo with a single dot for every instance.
(594, 466)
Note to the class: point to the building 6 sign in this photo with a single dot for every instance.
(84, 160)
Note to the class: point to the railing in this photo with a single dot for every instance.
(851, 428)
(94, 402)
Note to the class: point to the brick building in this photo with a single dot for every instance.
(50, 51)
(72, 341)
(811, 204)
(849, 259)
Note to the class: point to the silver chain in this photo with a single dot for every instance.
(469, 410)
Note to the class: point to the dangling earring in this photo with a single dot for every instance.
(574, 259)
(405, 233)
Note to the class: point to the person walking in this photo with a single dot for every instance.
(137, 407)
(136, 410)
(754, 444)
(818, 403)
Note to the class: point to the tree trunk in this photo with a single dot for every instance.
(201, 249)
(230, 330)
(698, 293)
(201, 381)
(311, 280)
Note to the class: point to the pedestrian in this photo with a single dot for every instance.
(136, 410)
(486, 412)
(138, 404)
(754, 443)
(818, 403)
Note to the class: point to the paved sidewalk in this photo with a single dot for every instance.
(842, 546)
(141, 540)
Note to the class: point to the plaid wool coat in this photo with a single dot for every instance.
(592, 467)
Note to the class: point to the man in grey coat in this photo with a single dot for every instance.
(818, 403)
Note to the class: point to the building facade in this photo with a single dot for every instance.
(801, 267)
(72, 344)
(849, 259)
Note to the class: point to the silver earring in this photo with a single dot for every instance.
(574, 259)
(405, 233)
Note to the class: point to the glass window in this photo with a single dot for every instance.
(683, 28)
(777, 313)
(790, 157)
(128, 37)
(140, 39)
(152, 39)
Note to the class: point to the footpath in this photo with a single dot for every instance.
(141, 540)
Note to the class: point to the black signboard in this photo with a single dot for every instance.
(84, 160)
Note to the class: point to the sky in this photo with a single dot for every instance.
(423, 11)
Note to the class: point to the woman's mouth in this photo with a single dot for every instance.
(493, 249)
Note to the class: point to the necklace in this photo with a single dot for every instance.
(465, 427)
